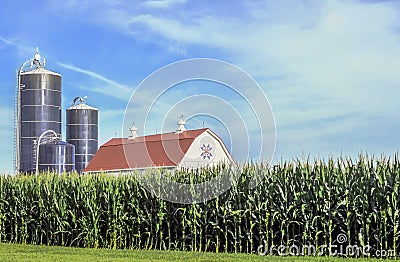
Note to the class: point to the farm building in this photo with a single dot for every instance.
(183, 148)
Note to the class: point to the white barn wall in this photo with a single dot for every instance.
(194, 157)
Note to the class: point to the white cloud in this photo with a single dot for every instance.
(338, 62)
(163, 3)
(7, 41)
(12, 42)
(319, 62)
(110, 113)
(110, 87)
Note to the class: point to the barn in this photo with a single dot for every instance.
(180, 149)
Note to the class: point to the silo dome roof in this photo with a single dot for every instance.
(82, 107)
(40, 70)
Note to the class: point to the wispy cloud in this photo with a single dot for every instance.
(112, 113)
(111, 87)
(336, 60)
(7, 41)
(163, 3)
(14, 43)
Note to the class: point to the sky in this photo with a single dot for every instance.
(329, 69)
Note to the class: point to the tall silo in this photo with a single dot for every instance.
(82, 131)
(38, 109)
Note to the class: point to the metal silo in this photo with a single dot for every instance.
(38, 109)
(57, 156)
(82, 131)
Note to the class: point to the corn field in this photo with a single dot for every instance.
(297, 203)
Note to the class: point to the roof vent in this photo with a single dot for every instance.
(36, 60)
(133, 131)
(181, 126)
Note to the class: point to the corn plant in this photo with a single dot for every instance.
(297, 203)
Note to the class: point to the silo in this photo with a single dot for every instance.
(82, 131)
(57, 156)
(38, 110)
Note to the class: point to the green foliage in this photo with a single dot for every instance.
(297, 203)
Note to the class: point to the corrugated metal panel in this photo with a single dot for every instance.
(82, 131)
(57, 157)
(40, 111)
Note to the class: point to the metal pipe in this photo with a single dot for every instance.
(17, 135)
(17, 131)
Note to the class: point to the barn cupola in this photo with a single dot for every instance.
(133, 131)
(181, 126)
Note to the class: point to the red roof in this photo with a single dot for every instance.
(166, 149)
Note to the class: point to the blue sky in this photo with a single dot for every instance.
(330, 69)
